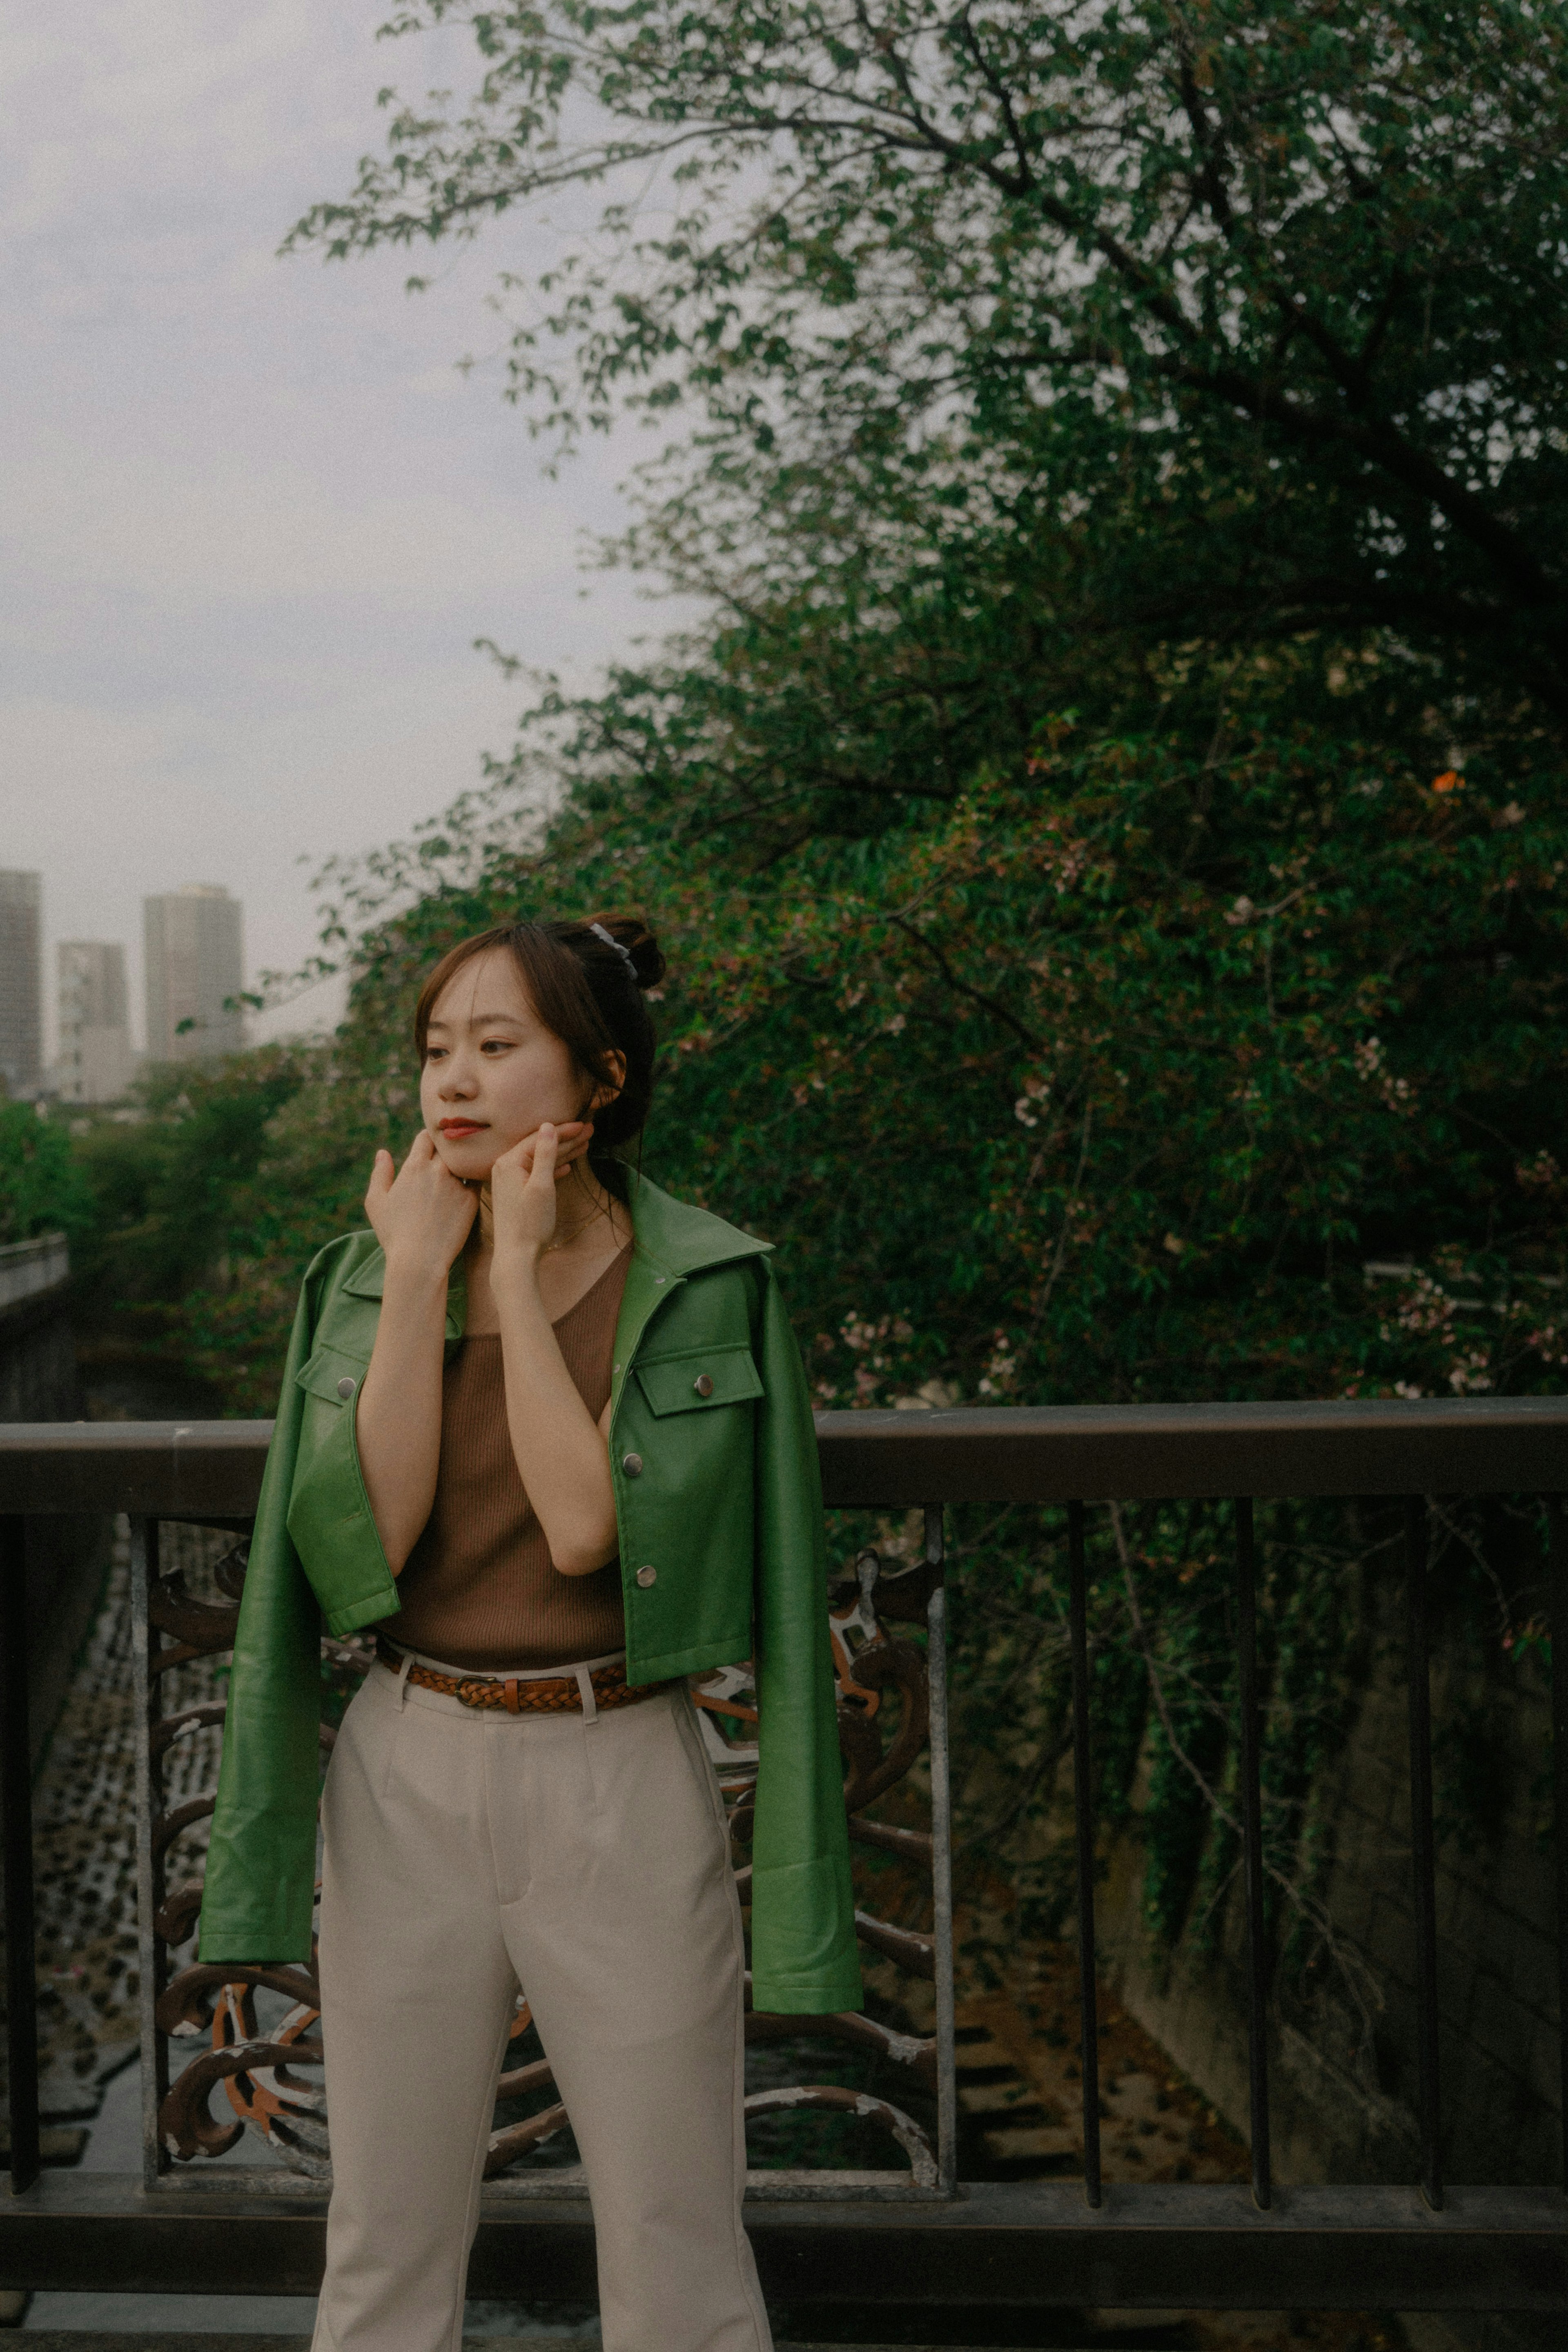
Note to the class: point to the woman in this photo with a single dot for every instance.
(546, 1430)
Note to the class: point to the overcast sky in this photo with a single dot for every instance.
(252, 517)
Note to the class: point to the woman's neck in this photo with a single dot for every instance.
(583, 1203)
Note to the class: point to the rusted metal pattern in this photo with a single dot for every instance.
(869, 1665)
(884, 1717)
(522, 2080)
(167, 1826)
(191, 2002)
(175, 1921)
(837, 2100)
(201, 1625)
(916, 2051)
(519, 2139)
(180, 1726)
(261, 2089)
(898, 1666)
(914, 1845)
(917, 1954)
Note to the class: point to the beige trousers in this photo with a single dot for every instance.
(469, 1854)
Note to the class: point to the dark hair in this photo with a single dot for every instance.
(590, 995)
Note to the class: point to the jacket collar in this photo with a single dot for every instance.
(671, 1238)
(682, 1240)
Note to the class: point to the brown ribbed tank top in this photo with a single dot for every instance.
(479, 1589)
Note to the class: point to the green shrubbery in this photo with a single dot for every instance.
(41, 1186)
(1108, 1077)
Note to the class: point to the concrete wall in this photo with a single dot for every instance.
(28, 1269)
(1342, 2049)
(67, 1558)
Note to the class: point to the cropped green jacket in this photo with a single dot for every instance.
(709, 1394)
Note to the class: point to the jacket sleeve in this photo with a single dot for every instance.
(261, 1865)
(335, 1535)
(803, 1954)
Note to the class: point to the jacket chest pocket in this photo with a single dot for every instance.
(697, 1380)
(331, 1375)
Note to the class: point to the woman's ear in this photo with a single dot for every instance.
(607, 1091)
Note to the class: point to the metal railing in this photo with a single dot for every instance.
(177, 1636)
(1427, 2245)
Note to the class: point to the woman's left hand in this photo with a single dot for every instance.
(523, 1186)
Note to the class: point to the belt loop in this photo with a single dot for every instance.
(585, 1692)
(511, 1683)
(402, 1677)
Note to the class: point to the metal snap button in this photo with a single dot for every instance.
(645, 1576)
(345, 1387)
(703, 1384)
(633, 1465)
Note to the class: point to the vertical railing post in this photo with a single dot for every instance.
(1423, 1854)
(1252, 1853)
(17, 1839)
(941, 1857)
(1557, 1594)
(1083, 1822)
(149, 1805)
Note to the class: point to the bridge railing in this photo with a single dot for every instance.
(1423, 2245)
(29, 1268)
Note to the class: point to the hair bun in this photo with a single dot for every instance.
(630, 931)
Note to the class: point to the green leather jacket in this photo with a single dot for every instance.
(727, 1511)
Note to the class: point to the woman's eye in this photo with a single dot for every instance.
(494, 1044)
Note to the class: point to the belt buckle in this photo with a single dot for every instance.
(474, 1688)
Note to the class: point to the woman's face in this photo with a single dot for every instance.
(492, 1070)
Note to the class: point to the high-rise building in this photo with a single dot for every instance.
(21, 983)
(96, 1064)
(195, 958)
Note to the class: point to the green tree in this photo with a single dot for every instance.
(169, 1197)
(1110, 836)
(41, 1187)
(1128, 1071)
(1260, 302)
(1104, 1078)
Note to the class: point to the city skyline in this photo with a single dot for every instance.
(96, 1061)
(193, 963)
(249, 563)
(21, 981)
(192, 966)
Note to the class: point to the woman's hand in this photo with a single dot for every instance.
(523, 1183)
(420, 1212)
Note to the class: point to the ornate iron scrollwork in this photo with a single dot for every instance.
(884, 1713)
(869, 1666)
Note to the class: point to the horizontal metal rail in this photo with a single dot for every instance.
(1428, 2246)
(1049, 1454)
(1025, 2243)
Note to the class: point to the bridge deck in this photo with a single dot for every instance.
(1022, 2243)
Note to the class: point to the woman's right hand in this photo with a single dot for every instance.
(420, 1212)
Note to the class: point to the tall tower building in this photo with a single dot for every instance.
(21, 983)
(195, 958)
(96, 1062)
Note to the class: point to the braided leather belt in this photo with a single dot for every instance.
(524, 1694)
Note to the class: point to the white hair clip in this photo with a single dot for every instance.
(625, 954)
